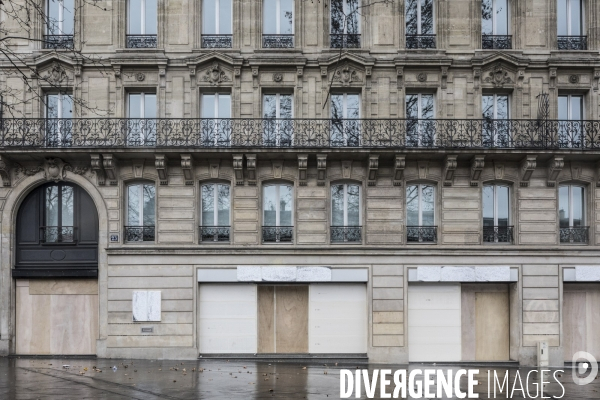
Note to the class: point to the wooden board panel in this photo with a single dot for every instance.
(266, 316)
(593, 321)
(574, 323)
(291, 319)
(492, 326)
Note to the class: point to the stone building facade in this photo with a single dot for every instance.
(378, 190)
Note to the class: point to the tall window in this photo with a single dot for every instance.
(141, 214)
(277, 213)
(216, 119)
(59, 214)
(277, 110)
(496, 125)
(215, 212)
(59, 111)
(420, 213)
(496, 214)
(142, 123)
(216, 24)
(420, 130)
(570, 114)
(278, 24)
(494, 25)
(60, 24)
(345, 114)
(142, 24)
(570, 25)
(345, 24)
(346, 213)
(571, 214)
(420, 24)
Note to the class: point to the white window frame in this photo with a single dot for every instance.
(278, 17)
(346, 11)
(142, 15)
(217, 17)
(420, 203)
(345, 112)
(420, 115)
(419, 32)
(569, 98)
(581, 21)
(278, 113)
(216, 119)
(277, 203)
(345, 185)
(215, 203)
(494, 15)
(495, 199)
(140, 185)
(508, 103)
(61, 16)
(142, 104)
(60, 103)
(570, 211)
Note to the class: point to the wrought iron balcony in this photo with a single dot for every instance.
(344, 41)
(139, 233)
(572, 42)
(58, 42)
(277, 234)
(578, 234)
(214, 233)
(421, 234)
(57, 234)
(498, 234)
(300, 133)
(278, 41)
(217, 41)
(496, 42)
(420, 42)
(141, 41)
(344, 234)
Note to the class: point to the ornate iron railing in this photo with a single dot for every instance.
(139, 233)
(57, 42)
(496, 42)
(57, 234)
(572, 42)
(578, 234)
(300, 133)
(421, 234)
(142, 41)
(277, 234)
(217, 41)
(420, 42)
(344, 41)
(343, 234)
(278, 41)
(214, 233)
(498, 234)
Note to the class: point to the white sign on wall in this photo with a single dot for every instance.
(146, 306)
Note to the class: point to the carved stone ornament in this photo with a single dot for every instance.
(302, 169)
(54, 169)
(277, 77)
(56, 74)
(346, 76)
(215, 75)
(422, 77)
(574, 79)
(140, 77)
(76, 169)
(498, 76)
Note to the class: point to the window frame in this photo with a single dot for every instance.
(278, 18)
(345, 104)
(568, 17)
(569, 97)
(215, 204)
(570, 186)
(419, 21)
(60, 186)
(217, 17)
(345, 185)
(494, 16)
(60, 104)
(142, 15)
(495, 187)
(345, 10)
(141, 184)
(278, 203)
(420, 203)
(61, 17)
(495, 101)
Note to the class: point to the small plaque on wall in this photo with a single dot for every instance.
(114, 238)
(146, 306)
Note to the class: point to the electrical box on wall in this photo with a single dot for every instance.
(543, 356)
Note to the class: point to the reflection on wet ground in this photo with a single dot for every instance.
(160, 379)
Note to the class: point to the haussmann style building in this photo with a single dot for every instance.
(398, 181)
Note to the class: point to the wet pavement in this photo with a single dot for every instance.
(178, 380)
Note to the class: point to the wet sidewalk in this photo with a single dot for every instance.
(178, 380)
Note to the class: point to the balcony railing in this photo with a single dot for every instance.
(141, 41)
(217, 41)
(420, 42)
(214, 233)
(57, 234)
(344, 234)
(496, 42)
(139, 233)
(58, 42)
(344, 41)
(277, 234)
(421, 234)
(498, 234)
(300, 133)
(578, 234)
(572, 42)
(278, 41)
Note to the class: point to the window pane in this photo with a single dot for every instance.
(576, 108)
(427, 206)
(225, 17)
(563, 107)
(337, 106)
(209, 16)
(52, 106)
(223, 205)
(578, 217)
(270, 17)
(412, 205)
(352, 17)
(270, 206)
(427, 106)
(563, 206)
(353, 205)
(503, 205)
(135, 17)
(488, 205)
(501, 17)
(135, 101)
(149, 205)
(487, 26)
(285, 106)
(501, 107)
(412, 106)
(52, 206)
(562, 14)
(67, 206)
(270, 106)
(353, 106)
(151, 20)
(53, 17)
(208, 205)
(67, 106)
(150, 106)
(208, 106)
(337, 205)
(287, 17)
(133, 205)
(285, 205)
(337, 16)
(575, 21)
(68, 20)
(426, 17)
(487, 107)
(412, 16)
(224, 106)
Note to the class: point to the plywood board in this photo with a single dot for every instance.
(574, 323)
(593, 321)
(266, 319)
(291, 319)
(492, 326)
